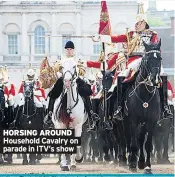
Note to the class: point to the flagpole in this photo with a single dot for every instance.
(104, 87)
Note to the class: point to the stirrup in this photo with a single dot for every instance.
(168, 113)
(107, 125)
(92, 127)
(116, 114)
(94, 116)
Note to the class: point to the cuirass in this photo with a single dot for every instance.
(142, 36)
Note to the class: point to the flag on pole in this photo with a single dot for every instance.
(105, 25)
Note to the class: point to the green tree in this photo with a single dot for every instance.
(152, 21)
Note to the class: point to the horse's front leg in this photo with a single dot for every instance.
(25, 160)
(148, 148)
(132, 158)
(1, 159)
(141, 139)
(64, 163)
(78, 157)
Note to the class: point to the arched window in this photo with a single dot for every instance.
(39, 40)
(66, 29)
(13, 31)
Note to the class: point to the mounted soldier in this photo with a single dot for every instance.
(5, 92)
(3, 86)
(83, 88)
(134, 40)
(39, 94)
(11, 94)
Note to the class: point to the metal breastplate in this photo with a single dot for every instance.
(143, 36)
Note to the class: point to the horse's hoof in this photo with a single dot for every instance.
(141, 165)
(9, 162)
(147, 170)
(1, 162)
(166, 161)
(111, 162)
(96, 159)
(73, 167)
(64, 168)
(37, 161)
(39, 157)
(121, 164)
(25, 162)
(79, 160)
(133, 170)
(107, 158)
(32, 162)
(88, 160)
(100, 159)
(58, 163)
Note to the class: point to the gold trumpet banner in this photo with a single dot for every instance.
(47, 75)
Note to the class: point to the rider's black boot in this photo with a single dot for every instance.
(118, 113)
(164, 94)
(48, 118)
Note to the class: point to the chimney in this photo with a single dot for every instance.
(152, 5)
(172, 26)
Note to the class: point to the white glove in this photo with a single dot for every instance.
(59, 74)
(105, 39)
(173, 100)
(96, 38)
(10, 97)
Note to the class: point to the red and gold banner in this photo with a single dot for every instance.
(105, 25)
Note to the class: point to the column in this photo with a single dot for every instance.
(54, 40)
(24, 40)
(2, 39)
(32, 47)
(78, 33)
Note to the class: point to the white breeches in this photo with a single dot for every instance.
(134, 66)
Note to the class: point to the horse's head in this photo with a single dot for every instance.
(28, 89)
(69, 71)
(152, 62)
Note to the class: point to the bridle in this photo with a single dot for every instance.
(28, 94)
(65, 90)
(146, 81)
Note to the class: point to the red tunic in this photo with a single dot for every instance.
(93, 87)
(43, 95)
(12, 90)
(6, 91)
(21, 88)
(123, 38)
(169, 87)
(96, 64)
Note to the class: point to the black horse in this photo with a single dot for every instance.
(29, 117)
(143, 108)
(2, 115)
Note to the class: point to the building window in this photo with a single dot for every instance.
(96, 48)
(12, 44)
(65, 39)
(39, 40)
